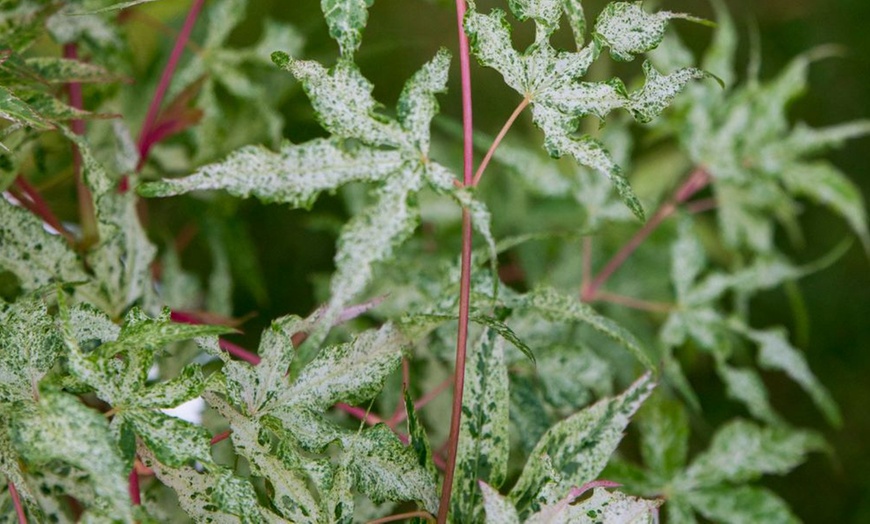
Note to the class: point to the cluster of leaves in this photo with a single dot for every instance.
(93, 358)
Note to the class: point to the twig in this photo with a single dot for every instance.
(634, 303)
(16, 502)
(223, 435)
(495, 143)
(145, 141)
(239, 352)
(694, 183)
(135, 494)
(30, 199)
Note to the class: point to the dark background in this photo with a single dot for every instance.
(402, 34)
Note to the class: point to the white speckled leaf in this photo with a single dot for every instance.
(42, 435)
(346, 20)
(385, 469)
(122, 259)
(342, 99)
(295, 175)
(742, 451)
(372, 236)
(291, 494)
(611, 507)
(556, 307)
(578, 447)
(351, 372)
(499, 509)
(687, 260)
(173, 441)
(484, 444)
(628, 30)
(576, 19)
(213, 495)
(36, 257)
(545, 13)
(417, 105)
(29, 346)
(168, 394)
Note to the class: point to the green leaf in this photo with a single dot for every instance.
(556, 307)
(419, 440)
(61, 70)
(741, 452)
(579, 446)
(61, 428)
(577, 20)
(483, 448)
(346, 20)
(741, 505)
(745, 386)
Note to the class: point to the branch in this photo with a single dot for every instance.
(16, 501)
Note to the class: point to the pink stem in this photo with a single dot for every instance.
(403, 516)
(145, 142)
(16, 502)
(133, 487)
(30, 199)
(694, 183)
(702, 205)
(359, 413)
(495, 143)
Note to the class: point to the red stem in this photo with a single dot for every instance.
(403, 516)
(87, 215)
(239, 352)
(30, 199)
(221, 436)
(145, 139)
(694, 183)
(16, 502)
(133, 487)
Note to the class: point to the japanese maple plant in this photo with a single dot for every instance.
(538, 289)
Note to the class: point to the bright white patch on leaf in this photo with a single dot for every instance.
(612, 507)
(191, 411)
(499, 509)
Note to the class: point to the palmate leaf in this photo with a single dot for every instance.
(602, 506)
(577, 448)
(483, 448)
(366, 146)
(547, 78)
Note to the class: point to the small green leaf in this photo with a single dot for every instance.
(173, 441)
(577, 20)
(664, 430)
